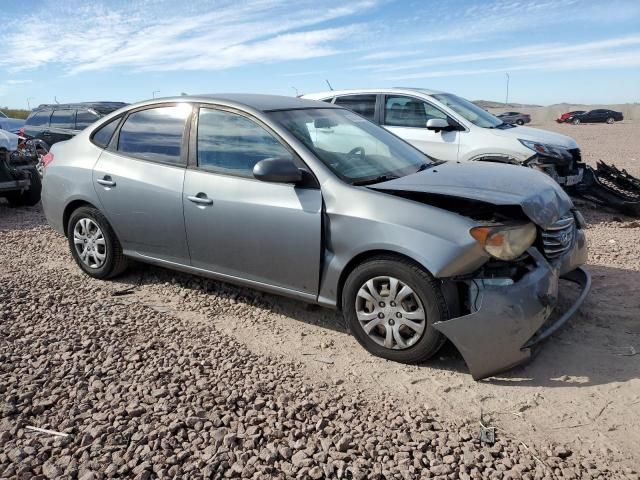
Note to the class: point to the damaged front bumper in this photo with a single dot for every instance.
(509, 320)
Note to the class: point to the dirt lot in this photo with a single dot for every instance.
(185, 374)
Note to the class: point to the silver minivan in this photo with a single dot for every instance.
(310, 200)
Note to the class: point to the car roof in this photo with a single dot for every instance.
(260, 102)
(101, 107)
(405, 90)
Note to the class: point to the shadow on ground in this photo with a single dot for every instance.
(600, 345)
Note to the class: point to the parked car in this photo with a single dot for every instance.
(310, 200)
(19, 179)
(596, 116)
(55, 123)
(565, 116)
(448, 127)
(514, 117)
(9, 124)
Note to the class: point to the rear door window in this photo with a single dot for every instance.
(84, 118)
(154, 134)
(39, 118)
(102, 136)
(63, 118)
(401, 111)
(232, 144)
(365, 105)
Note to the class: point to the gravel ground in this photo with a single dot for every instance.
(184, 377)
(143, 391)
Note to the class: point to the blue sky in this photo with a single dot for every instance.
(554, 50)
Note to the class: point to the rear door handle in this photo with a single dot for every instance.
(200, 199)
(106, 181)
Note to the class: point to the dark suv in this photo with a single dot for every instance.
(55, 123)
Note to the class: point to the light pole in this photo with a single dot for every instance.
(153, 94)
(506, 100)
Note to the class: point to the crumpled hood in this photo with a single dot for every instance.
(539, 196)
(8, 140)
(537, 135)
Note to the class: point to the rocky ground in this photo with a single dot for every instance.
(157, 374)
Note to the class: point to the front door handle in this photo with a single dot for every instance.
(106, 181)
(200, 199)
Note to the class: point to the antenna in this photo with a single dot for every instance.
(297, 93)
(330, 87)
(56, 99)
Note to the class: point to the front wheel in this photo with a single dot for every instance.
(576, 121)
(610, 120)
(390, 305)
(520, 122)
(94, 245)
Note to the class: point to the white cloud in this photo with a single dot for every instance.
(157, 36)
(537, 51)
(604, 60)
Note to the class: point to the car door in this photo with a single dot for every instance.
(407, 117)
(138, 179)
(61, 125)
(237, 226)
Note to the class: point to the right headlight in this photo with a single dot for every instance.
(505, 242)
(554, 151)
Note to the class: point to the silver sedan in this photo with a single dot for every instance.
(309, 200)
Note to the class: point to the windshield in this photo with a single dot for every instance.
(468, 110)
(356, 150)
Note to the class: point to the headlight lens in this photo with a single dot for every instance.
(554, 151)
(505, 242)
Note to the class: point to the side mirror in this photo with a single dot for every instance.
(279, 170)
(438, 124)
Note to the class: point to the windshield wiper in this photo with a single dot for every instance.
(378, 179)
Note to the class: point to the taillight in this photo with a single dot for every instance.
(47, 159)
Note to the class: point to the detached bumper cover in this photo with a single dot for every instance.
(511, 319)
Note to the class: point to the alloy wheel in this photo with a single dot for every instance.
(89, 243)
(390, 312)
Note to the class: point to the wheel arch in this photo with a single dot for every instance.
(72, 207)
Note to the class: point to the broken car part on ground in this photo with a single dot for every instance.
(20, 180)
(412, 251)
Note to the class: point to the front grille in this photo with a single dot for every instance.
(558, 238)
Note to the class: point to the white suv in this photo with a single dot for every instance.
(447, 127)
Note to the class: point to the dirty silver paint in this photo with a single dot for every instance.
(316, 234)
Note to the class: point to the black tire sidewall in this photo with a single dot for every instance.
(32, 196)
(88, 212)
(520, 122)
(431, 339)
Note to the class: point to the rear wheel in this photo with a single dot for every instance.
(94, 245)
(390, 305)
(610, 120)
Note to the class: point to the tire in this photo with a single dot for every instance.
(114, 262)
(418, 347)
(520, 122)
(576, 121)
(610, 120)
(30, 197)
